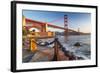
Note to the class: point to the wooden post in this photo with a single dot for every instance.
(55, 58)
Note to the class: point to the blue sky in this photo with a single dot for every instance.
(75, 20)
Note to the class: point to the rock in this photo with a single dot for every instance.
(77, 44)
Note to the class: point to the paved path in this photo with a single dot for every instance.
(42, 55)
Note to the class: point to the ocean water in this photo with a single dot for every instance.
(83, 51)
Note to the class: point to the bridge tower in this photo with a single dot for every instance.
(66, 26)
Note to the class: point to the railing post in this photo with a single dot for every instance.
(55, 58)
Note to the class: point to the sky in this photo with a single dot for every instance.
(75, 19)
